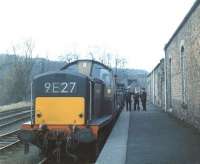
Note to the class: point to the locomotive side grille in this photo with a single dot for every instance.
(60, 110)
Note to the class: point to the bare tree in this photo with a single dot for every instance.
(91, 55)
(117, 63)
(106, 58)
(17, 82)
(109, 59)
(69, 57)
(123, 63)
(101, 59)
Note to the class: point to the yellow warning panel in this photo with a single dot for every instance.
(60, 110)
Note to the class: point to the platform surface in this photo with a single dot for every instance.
(155, 137)
(114, 151)
(151, 137)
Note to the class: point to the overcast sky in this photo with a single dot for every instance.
(136, 30)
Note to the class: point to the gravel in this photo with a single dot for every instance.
(16, 155)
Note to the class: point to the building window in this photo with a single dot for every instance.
(183, 75)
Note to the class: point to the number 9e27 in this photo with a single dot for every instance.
(60, 87)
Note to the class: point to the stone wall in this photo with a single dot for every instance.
(155, 85)
(183, 82)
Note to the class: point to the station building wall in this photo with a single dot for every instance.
(182, 66)
(156, 85)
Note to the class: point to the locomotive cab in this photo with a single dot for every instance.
(101, 87)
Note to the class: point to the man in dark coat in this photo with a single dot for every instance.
(136, 101)
(128, 101)
(143, 97)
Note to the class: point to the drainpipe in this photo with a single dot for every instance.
(165, 71)
(153, 87)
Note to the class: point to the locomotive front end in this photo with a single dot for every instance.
(59, 99)
(59, 115)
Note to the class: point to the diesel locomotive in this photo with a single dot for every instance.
(71, 107)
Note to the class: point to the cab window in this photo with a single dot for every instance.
(72, 68)
(82, 67)
(101, 73)
(105, 76)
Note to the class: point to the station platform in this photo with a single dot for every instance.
(151, 137)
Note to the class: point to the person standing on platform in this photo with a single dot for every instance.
(143, 97)
(136, 101)
(128, 101)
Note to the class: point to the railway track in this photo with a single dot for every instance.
(8, 140)
(8, 118)
(43, 161)
(47, 161)
(9, 126)
(13, 111)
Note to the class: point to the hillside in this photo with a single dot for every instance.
(9, 82)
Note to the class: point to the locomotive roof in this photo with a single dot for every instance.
(87, 60)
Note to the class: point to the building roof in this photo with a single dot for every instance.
(193, 8)
(161, 61)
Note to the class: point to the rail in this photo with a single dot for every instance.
(8, 139)
(14, 117)
(43, 161)
(8, 119)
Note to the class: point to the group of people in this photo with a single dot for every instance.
(136, 97)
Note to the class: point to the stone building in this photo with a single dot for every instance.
(156, 85)
(182, 69)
